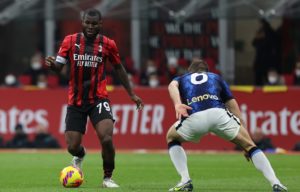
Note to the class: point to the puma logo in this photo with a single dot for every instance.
(76, 45)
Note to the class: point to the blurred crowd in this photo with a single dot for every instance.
(267, 66)
(42, 139)
(152, 74)
(268, 59)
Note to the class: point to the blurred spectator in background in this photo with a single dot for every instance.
(265, 44)
(153, 81)
(297, 147)
(274, 78)
(262, 142)
(10, 80)
(20, 139)
(297, 74)
(42, 81)
(172, 67)
(149, 68)
(2, 144)
(207, 57)
(43, 139)
(36, 68)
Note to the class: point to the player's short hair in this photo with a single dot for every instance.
(198, 65)
(92, 12)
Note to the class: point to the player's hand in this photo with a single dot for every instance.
(181, 110)
(138, 101)
(50, 61)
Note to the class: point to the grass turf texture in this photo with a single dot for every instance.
(36, 172)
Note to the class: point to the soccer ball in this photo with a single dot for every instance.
(71, 177)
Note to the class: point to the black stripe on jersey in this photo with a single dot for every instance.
(89, 50)
(77, 51)
(97, 70)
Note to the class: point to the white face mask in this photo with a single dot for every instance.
(272, 79)
(42, 85)
(10, 80)
(151, 69)
(36, 65)
(297, 72)
(153, 83)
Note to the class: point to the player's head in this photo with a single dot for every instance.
(197, 66)
(91, 23)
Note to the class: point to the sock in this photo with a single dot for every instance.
(80, 153)
(179, 160)
(262, 163)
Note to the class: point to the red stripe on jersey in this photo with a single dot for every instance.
(80, 73)
(93, 71)
(101, 89)
(71, 95)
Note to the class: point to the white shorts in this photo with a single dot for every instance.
(216, 120)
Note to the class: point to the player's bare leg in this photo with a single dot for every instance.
(73, 139)
(104, 131)
(258, 158)
(179, 159)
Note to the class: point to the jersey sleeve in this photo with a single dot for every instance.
(114, 56)
(176, 79)
(226, 93)
(62, 55)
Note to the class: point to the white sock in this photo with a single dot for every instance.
(262, 163)
(179, 160)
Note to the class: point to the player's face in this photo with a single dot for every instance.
(91, 26)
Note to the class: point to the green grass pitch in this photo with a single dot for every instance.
(33, 171)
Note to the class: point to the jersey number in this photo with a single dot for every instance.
(105, 105)
(198, 82)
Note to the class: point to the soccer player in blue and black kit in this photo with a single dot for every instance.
(204, 103)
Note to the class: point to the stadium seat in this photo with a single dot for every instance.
(25, 79)
(52, 81)
(288, 78)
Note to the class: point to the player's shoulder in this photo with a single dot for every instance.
(108, 41)
(69, 37)
(213, 75)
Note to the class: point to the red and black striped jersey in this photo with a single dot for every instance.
(87, 60)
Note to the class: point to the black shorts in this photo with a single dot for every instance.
(76, 117)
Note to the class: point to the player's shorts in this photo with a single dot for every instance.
(216, 120)
(76, 118)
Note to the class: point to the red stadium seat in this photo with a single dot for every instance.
(288, 78)
(52, 81)
(25, 79)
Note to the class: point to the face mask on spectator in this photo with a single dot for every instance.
(153, 83)
(272, 79)
(36, 65)
(42, 85)
(151, 69)
(10, 79)
(297, 72)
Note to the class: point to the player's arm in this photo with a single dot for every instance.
(180, 108)
(114, 58)
(54, 65)
(57, 64)
(233, 107)
(123, 77)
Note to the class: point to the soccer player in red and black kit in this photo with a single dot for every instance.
(87, 53)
